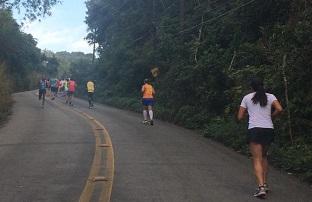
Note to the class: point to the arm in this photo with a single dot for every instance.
(142, 90)
(241, 113)
(277, 108)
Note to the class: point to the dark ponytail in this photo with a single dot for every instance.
(260, 96)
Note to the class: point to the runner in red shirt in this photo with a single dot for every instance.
(71, 90)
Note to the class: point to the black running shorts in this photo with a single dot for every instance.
(264, 136)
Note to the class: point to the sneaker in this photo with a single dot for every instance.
(145, 122)
(260, 193)
(266, 187)
(152, 122)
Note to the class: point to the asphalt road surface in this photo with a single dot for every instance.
(47, 154)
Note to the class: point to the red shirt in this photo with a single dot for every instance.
(72, 86)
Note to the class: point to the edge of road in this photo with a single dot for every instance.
(98, 186)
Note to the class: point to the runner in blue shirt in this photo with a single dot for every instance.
(42, 89)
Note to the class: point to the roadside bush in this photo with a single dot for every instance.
(295, 159)
(228, 132)
(164, 113)
(128, 103)
(191, 117)
(5, 97)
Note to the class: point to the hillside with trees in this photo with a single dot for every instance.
(67, 60)
(21, 62)
(206, 51)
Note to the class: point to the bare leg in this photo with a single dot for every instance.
(66, 97)
(43, 98)
(70, 99)
(257, 159)
(265, 163)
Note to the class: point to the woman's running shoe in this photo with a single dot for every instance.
(260, 193)
(266, 187)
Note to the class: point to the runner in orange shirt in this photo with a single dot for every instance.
(148, 101)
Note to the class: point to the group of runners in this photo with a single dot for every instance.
(65, 88)
(259, 106)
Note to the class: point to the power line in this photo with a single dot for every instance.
(206, 11)
(174, 24)
(217, 17)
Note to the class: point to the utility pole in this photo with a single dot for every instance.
(94, 42)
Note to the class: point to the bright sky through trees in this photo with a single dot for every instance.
(64, 30)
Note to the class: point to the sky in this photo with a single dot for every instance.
(64, 30)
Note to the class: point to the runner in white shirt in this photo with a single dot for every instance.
(258, 105)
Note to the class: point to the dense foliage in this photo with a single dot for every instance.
(5, 98)
(18, 52)
(32, 9)
(68, 60)
(20, 60)
(206, 50)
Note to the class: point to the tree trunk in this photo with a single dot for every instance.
(232, 61)
(286, 98)
(182, 13)
(93, 55)
(198, 40)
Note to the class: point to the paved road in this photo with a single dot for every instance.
(45, 154)
(152, 163)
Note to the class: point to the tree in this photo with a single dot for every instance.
(32, 9)
(18, 51)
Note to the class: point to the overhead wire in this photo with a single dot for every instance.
(178, 23)
(217, 17)
(197, 25)
(206, 11)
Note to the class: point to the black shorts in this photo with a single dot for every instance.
(42, 91)
(70, 93)
(54, 89)
(263, 136)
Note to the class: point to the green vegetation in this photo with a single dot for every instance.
(20, 60)
(5, 96)
(206, 51)
(66, 61)
(31, 9)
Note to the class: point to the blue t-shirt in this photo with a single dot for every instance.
(53, 82)
(42, 85)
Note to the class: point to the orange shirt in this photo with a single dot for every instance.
(148, 91)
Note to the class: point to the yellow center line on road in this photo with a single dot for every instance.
(101, 149)
(109, 164)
